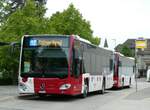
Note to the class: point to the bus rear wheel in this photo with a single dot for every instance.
(129, 83)
(103, 88)
(102, 91)
(122, 85)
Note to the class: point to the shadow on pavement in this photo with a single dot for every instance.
(58, 98)
(47, 98)
(120, 89)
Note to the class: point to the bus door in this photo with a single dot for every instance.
(116, 70)
(77, 66)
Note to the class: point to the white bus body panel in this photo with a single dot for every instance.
(95, 83)
(148, 75)
(109, 81)
(26, 87)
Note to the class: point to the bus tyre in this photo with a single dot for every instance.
(103, 88)
(129, 83)
(85, 91)
(102, 91)
(41, 95)
(122, 86)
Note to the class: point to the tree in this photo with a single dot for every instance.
(105, 43)
(70, 21)
(41, 1)
(9, 63)
(30, 19)
(126, 51)
(7, 7)
(24, 21)
(96, 40)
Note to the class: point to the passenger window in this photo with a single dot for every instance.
(120, 63)
(110, 64)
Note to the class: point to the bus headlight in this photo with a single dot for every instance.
(65, 86)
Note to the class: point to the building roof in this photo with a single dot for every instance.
(131, 44)
(143, 53)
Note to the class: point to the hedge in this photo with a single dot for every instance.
(6, 81)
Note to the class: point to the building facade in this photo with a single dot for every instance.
(143, 55)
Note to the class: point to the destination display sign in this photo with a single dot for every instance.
(47, 42)
(54, 43)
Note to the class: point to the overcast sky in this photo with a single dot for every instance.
(111, 19)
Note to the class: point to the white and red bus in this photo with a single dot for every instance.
(63, 64)
(123, 70)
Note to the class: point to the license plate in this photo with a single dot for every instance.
(42, 91)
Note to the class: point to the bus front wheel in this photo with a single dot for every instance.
(85, 91)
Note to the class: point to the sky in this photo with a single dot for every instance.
(115, 20)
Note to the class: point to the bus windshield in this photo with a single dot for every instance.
(43, 61)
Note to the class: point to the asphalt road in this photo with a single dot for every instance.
(125, 99)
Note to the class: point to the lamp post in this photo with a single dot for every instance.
(136, 67)
(140, 43)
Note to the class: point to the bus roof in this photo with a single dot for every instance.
(125, 56)
(76, 36)
(45, 35)
(81, 39)
(88, 42)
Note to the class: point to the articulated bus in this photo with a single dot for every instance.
(63, 65)
(123, 71)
